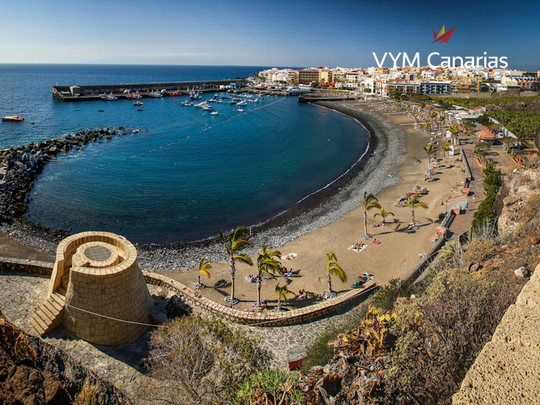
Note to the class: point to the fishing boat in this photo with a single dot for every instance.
(156, 94)
(175, 93)
(12, 117)
(111, 97)
(134, 96)
(137, 103)
(193, 95)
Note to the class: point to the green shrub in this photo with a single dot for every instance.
(270, 386)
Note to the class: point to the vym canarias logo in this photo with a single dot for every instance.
(443, 36)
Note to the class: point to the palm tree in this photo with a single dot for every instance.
(445, 147)
(266, 264)
(413, 203)
(368, 202)
(430, 151)
(383, 214)
(281, 293)
(332, 268)
(234, 242)
(441, 120)
(204, 265)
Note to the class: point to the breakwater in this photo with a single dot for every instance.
(92, 92)
(20, 166)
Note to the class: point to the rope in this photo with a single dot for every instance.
(111, 318)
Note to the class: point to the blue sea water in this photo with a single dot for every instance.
(187, 174)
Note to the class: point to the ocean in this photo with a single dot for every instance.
(187, 174)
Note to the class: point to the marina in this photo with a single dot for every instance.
(111, 92)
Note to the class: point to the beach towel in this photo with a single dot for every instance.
(357, 247)
(290, 256)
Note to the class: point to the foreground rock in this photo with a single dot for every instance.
(34, 372)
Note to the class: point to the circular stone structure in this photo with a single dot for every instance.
(106, 297)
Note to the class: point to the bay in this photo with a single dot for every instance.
(187, 174)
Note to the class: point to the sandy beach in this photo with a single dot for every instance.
(390, 173)
(330, 221)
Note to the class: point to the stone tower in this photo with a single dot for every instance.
(97, 291)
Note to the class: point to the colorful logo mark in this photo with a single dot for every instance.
(442, 36)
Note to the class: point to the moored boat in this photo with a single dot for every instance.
(13, 118)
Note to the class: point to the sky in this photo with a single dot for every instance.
(263, 33)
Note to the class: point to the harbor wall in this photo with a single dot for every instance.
(89, 92)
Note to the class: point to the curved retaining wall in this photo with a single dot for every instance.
(258, 318)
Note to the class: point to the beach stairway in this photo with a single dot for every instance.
(51, 314)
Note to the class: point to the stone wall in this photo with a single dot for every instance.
(10, 264)
(507, 370)
(258, 318)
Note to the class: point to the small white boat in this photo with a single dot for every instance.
(241, 104)
(202, 104)
(111, 97)
(214, 113)
(207, 107)
(12, 118)
(155, 94)
(241, 110)
(186, 104)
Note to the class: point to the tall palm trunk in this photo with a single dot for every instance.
(329, 283)
(365, 222)
(413, 218)
(259, 284)
(233, 274)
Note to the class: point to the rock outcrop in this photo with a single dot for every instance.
(34, 372)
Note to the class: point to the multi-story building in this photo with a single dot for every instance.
(406, 88)
(435, 87)
(307, 76)
(465, 87)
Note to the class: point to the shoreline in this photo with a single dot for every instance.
(385, 153)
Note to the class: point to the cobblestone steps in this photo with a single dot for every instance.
(50, 315)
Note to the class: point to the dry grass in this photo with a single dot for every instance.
(478, 251)
(88, 394)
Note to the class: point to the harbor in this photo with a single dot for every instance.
(92, 92)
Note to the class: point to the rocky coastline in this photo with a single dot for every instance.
(20, 167)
